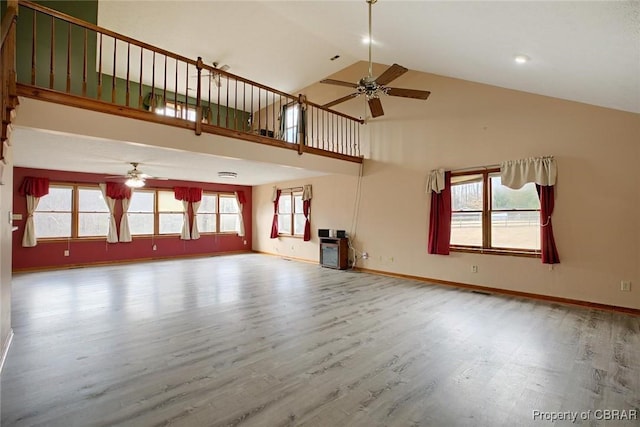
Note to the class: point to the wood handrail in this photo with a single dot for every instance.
(147, 46)
(211, 69)
(90, 26)
(337, 113)
(7, 21)
(336, 135)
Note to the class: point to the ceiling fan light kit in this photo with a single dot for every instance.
(134, 182)
(134, 178)
(374, 88)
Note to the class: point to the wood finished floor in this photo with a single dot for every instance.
(254, 340)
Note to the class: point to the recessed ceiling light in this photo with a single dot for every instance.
(522, 59)
(227, 175)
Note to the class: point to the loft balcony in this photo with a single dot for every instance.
(64, 60)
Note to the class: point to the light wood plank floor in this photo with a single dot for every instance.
(260, 341)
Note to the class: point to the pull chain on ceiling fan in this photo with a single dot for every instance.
(372, 88)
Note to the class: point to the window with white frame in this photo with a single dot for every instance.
(53, 216)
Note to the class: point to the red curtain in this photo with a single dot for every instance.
(195, 194)
(241, 198)
(181, 193)
(547, 242)
(36, 187)
(306, 209)
(440, 219)
(274, 224)
(118, 191)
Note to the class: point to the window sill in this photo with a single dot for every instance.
(507, 252)
(291, 236)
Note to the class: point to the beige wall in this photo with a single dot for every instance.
(6, 202)
(464, 124)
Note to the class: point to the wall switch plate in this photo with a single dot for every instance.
(625, 285)
(66, 252)
(474, 268)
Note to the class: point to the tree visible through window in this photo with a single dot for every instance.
(170, 213)
(207, 221)
(141, 212)
(291, 217)
(229, 220)
(488, 215)
(52, 218)
(93, 213)
(290, 128)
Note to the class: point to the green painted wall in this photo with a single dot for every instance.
(87, 11)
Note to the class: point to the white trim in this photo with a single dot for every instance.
(5, 349)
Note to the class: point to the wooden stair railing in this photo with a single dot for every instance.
(8, 91)
(69, 61)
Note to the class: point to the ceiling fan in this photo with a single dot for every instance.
(214, 76)
(135, 178)
(372, 88)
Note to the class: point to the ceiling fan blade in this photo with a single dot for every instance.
(339, 83)
(409, 93)
(391, 74)
(339, 100)
(376, 107)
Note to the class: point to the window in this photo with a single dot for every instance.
(229, 219)
(291, 217)
(488, 215)
(93, 213)
(207, 220)
(290, 124)
(170, 213)
(74, 211)
(141, 212)
(178, 110)
(53, 216)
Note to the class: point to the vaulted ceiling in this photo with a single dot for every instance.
(586, 51)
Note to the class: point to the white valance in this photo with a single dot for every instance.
(306, 192)
(435, 181)
(516, 173)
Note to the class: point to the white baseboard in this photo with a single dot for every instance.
(5, 349)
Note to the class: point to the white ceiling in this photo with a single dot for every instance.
(62, 151)
(585, 51)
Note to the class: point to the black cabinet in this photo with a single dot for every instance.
(334, 252)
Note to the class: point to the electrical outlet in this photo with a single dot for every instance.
(625, 285)
(474, 268)
(154, 247)
(365, 255)
(245, 242)
(66, 252)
